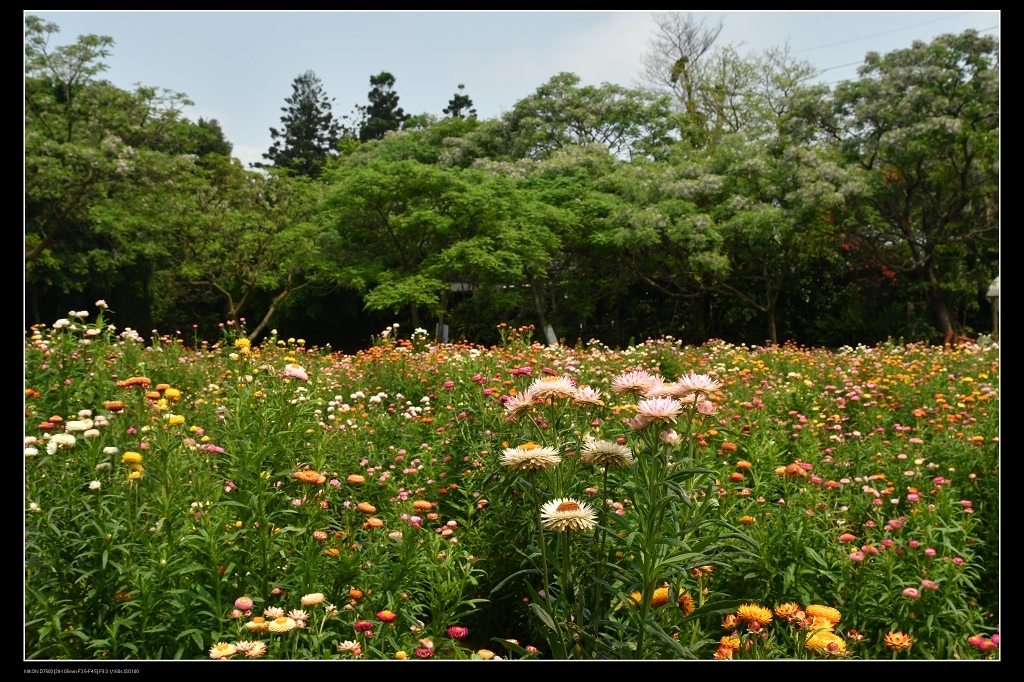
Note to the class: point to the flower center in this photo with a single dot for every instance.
(568, 506)
(529, 446)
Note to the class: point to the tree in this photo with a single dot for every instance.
(309, 135)
(100, 162)
(923, 124)
(675, 61)
(460, 102)
(382, 114)
(626, 121)
(393, 218)
(246, 236)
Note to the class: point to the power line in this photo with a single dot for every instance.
(843, 66)
(882, 33)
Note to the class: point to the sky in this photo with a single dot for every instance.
(238, 67)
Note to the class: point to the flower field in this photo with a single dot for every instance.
(189, 500)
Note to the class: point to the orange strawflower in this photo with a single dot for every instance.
(752, 613)
(310, 476)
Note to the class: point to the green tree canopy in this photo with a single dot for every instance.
(309, 134)
(100, 166)
(382, 114)
(923, 123)
(460, 103)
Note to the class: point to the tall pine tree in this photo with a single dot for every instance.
(382, 114)
(459, 103)
(310, 133)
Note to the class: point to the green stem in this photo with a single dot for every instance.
(544, 560)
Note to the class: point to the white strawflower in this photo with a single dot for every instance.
(566, 514)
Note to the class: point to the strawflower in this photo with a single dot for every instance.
(222, 650)
(458, 632)
(826, 643)
(897, 641)
(827, 612)
(698, 383)
(787, 610)
(633, 383)
(530, 457)
(257, 649)
(565, 514)
(552, 387)
(257, 624)
(685, 602)
(664, 410)
(752, 613)
(282, 624)
(350, 647)
(606, 454)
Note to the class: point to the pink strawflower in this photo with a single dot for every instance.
(911, 593)
(930, 551)
(857, 556)
(698, 383)
(293, 370)
(847, 537)
(244, 604)
(458, 632)
(351, 647)
(662, 409)
(633, 383)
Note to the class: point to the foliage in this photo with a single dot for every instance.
(382, 114)
(183, 497)
(732, 202)
(459, 103)
(258, 233)
(91, 151)
(309, 133)
(923, 122)
(629, 122)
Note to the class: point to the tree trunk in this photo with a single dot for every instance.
(773, 336)
(271, 310)
(439, 333)
(549, 332)
(939, 307)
